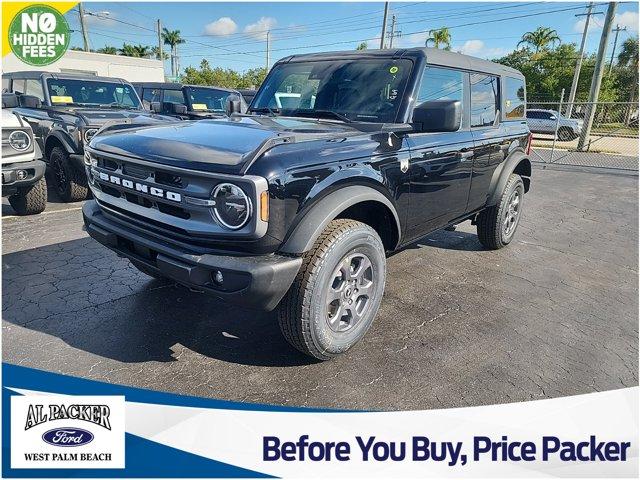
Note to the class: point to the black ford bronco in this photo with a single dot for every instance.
(65, 110)
(296, 207)
(188, 102)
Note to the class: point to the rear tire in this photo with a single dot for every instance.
(30, 200)
(70, 184)
(497, 224)
(337, 292)
(566, 134)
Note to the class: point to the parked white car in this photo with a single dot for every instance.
(22, 168)
(546, 121)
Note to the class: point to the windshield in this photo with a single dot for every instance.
(88, 92)
(208, 99)
(363, 90)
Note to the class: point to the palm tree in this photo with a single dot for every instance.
(173, 39)
(108, 50)
(128, 50)
(540, 38)
(440, 36)
(628, 59)
(156, 54)
(142, 51)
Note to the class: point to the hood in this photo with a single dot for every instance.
(100, 116)
(223, 145)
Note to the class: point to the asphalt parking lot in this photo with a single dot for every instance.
(554, 314)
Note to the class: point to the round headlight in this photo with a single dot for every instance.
(19, 140)
(232, 208)
(89, 133)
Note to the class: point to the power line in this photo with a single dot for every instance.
(484, 22)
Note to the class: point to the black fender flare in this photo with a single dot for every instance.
(63, 138)
(311, 225)
(502, 173)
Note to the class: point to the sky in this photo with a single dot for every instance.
(233, 35)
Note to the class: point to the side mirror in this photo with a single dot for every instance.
(9, 100)
(233, 104)
(553, 117)
(29, 101)
(155, 107)
(175, 108)
(438, 116)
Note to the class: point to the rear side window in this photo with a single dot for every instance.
(441, 84)
(17, 86)
(514, 98)
(485, 100)
(34, 87)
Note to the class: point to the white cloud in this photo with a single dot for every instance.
(259, 29)
(626, 19)
(471, 47)
(221, 27)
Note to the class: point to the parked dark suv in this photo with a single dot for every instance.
(296, 207)
(188, 102)
(65, 110)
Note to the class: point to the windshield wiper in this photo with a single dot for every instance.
(271, 111)
(321, 113)
(122, 105)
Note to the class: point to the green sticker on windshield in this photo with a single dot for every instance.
(393, 70)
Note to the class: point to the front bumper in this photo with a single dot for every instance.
(34, 172)
(255, 281)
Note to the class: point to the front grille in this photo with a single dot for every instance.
(156, 195)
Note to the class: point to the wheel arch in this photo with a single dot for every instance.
(56, 139)
(517, 162)
(357, 202)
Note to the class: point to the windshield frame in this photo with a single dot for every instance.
(48, 93)
(404, 105)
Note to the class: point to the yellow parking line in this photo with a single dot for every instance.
(45, 212)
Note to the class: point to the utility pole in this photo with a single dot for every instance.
(596, 80)
(160, 52)
(85, 34)
(392, 34)
(576, 73)
(268, 49)
(615, 44)
(384, 24)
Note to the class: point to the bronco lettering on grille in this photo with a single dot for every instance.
(141, 187)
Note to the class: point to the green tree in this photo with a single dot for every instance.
(128, 50)
(108, 50)
(362, 46)
(142, 51)
(173, 39)
(628, 72)
(439, 38)
(156, 54)
(253, 78)
(540, 39)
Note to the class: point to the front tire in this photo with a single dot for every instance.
(30, 200)
(337, 292)
(497, 224)
(70, 184)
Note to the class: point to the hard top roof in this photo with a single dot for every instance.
(37, 74)
(434, 56)
(178, 86)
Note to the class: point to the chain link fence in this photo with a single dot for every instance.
(561, 134)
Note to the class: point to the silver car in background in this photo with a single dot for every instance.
(547, 121)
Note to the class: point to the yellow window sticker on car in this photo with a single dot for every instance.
(61, 99)
(199, 106)
(393, 70)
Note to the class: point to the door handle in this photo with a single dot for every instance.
(465, 154)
